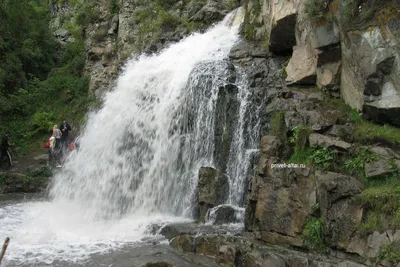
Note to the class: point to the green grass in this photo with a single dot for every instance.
(390, 253)
(301, 156)
(354, 165)
(372, 223)
(366, 132)
(313, 235)
(383, 199)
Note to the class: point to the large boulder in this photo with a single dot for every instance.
(213, 189)
(183, 243)
(302, 67)
(279, 207)
(335, 193)
(224, 214)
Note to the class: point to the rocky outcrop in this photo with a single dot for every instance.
(115, 30)
(32, 181)
(302, 67)
(355, 59)
(213, 188)
(242, 250)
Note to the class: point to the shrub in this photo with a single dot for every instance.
(43, 122)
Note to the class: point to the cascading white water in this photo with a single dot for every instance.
(139, 155)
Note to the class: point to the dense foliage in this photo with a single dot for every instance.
(37, 86)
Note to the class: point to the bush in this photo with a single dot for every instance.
(43, 122)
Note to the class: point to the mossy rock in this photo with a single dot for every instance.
(31, 181)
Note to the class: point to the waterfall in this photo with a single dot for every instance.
(139, 156)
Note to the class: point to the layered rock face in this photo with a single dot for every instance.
(350, 51)
(320, 46)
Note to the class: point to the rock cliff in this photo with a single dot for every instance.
(115, 30)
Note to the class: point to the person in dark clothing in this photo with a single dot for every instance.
(65, 128)
(5, 153)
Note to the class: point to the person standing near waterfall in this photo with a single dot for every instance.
(65, 128)
(5, 153)
(56, 146)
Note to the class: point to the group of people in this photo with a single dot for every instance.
(58, 143)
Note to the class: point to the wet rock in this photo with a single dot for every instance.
(184, 243)
(328, 142)
(22, 183)
(213, 189)
(224, 214)
(157, 264)
(227, 255)
(169, 231)
(302, 67)
(225, 121)
(377, 169)
(209, 245)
